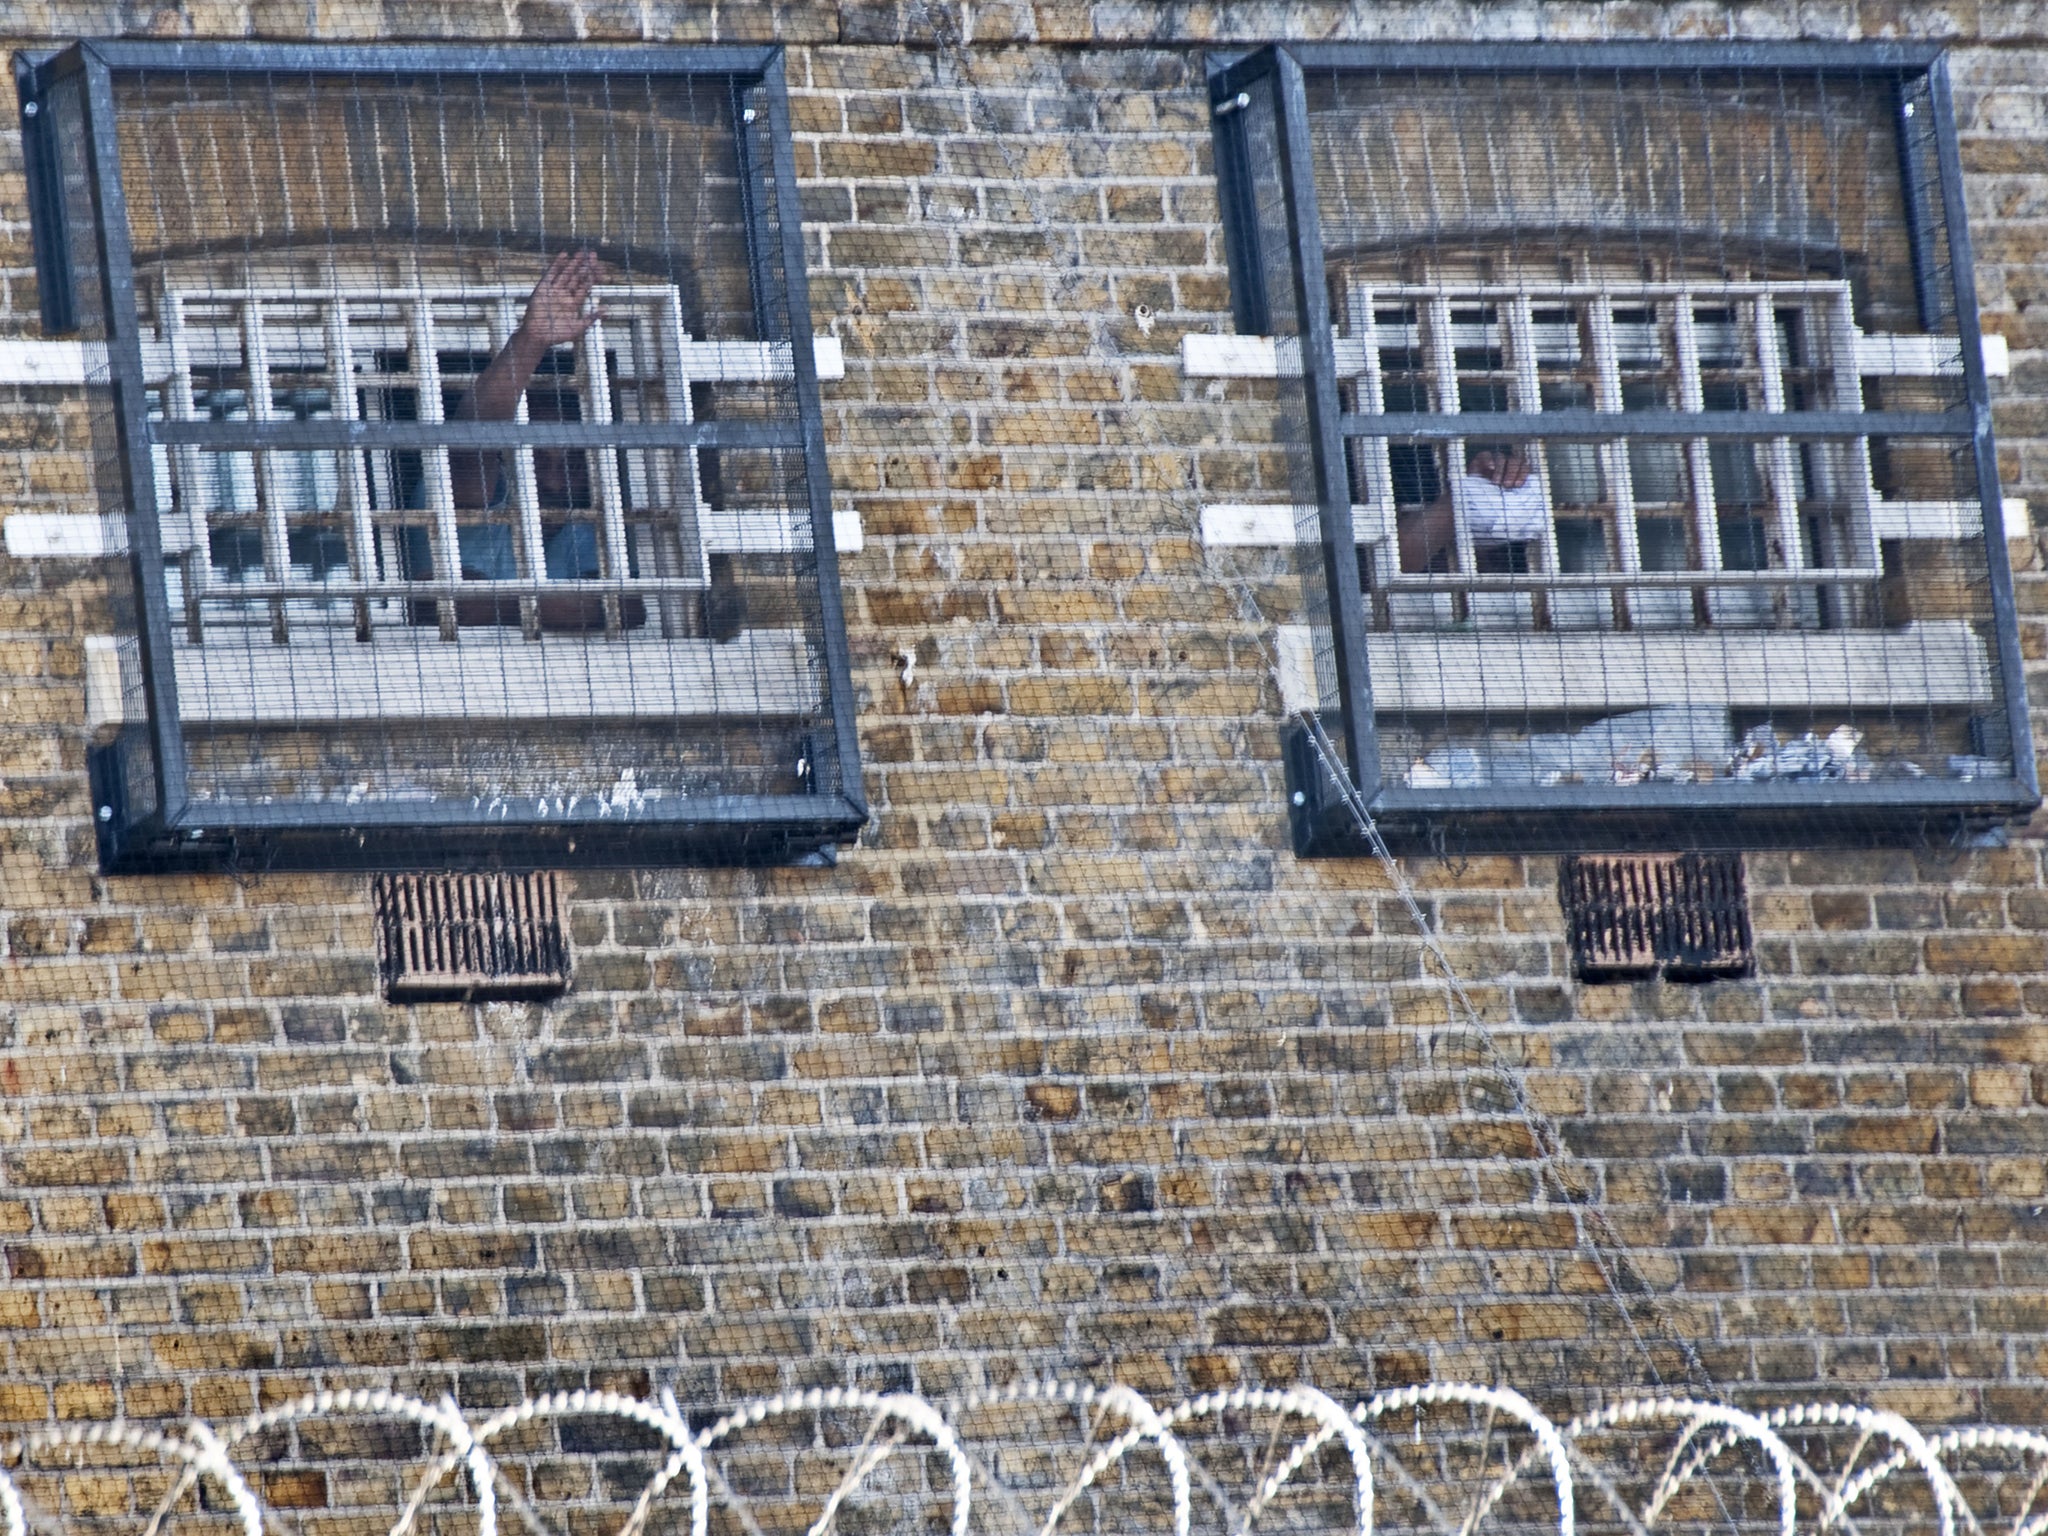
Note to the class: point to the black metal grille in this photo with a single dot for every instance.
(1685, 915)
(461, 418)
(1651, 485)
(473, 936)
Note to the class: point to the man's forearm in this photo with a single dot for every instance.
(495, 394)
(555, 316)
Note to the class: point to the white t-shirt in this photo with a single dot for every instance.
(1497, 515)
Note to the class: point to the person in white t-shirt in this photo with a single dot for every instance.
(1503, 509)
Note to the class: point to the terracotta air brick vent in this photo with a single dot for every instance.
(493, 935)
(1682, 915)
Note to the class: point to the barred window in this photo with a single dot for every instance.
(1646, 384)
(459, 416)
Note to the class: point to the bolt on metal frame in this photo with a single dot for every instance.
(1579, 815)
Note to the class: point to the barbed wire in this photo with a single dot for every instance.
(1886, 1446)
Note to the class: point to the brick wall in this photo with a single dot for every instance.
(1069, 1061)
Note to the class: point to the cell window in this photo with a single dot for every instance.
(1639, 477)
(501, 520)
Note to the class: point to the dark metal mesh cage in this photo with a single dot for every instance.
(1657, 419)
(479, 488)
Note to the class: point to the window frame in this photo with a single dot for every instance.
(713, 828)
(1333, 777)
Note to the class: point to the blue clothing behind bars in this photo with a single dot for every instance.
(490, 552)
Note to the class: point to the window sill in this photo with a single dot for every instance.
(1517, 672)
(1591, 818)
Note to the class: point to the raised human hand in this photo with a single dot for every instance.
(1509, 471)
(559, 308)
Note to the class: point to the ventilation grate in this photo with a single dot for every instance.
(470, 936)
(1685, 915)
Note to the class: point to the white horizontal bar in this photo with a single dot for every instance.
(1946, 519)
(1261, 357)
(1621, 292)
(1913, 356)
(1432, 671)
(1240, 357)
(1928, 356)
(1910, 356)
(1262, 525)
(241, 593)
(87, 535)
(703, 362)
(746, 362)
(1926, 519)
(384, 293)
(773, 531)
(1497, 588)
(26, 361)
(63, 535)
(1267, 525)
(1227, 357)
(486, 676)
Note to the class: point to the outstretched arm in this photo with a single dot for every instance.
(555, 314)
(557, 311)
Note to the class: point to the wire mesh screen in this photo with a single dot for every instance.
(1271, 428)
(1656, 434)
(1067, 1075)
(478, 464)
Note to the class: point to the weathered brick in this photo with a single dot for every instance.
(1068, 1060)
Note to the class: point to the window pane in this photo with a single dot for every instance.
(1665, 544)
(1576, 479)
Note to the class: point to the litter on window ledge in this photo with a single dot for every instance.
(1674, 744)
(1810, 758)
(1671, 744)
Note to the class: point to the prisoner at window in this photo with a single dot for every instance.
(474, 473)
(1654, 400)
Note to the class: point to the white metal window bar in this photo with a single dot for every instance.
(1619, 467)
(439, 476)
(340, 351)
(354, 480)
(640, 358)
(1446, 314)
(1528, 396)
(1875, 355)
